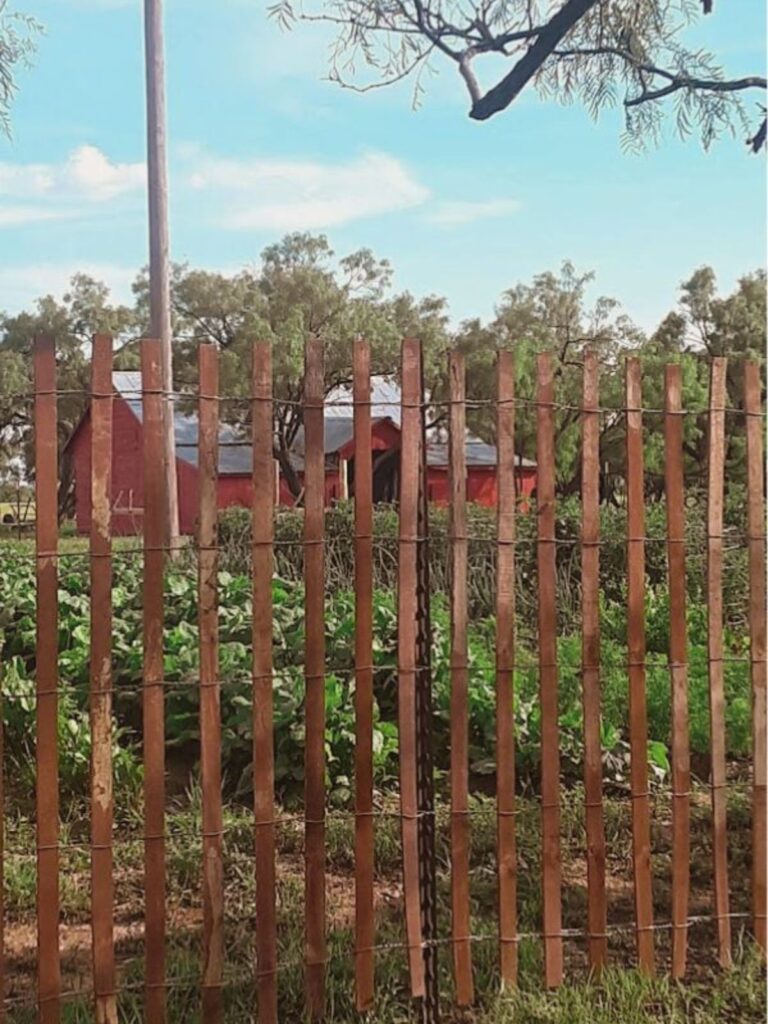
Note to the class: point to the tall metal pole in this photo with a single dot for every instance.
(159, 273)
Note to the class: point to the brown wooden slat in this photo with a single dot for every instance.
(263, 736)
(550, 742)
(597, 910)
(155, 539)
(757, 635)
(210, 694)
(46, 660)
(460, 833)
(505, 668)
(2, 854)
(715, 488)
(674, 486)
(314, 674)
(102, 805)
(410, 463)
(638, 716)
(364, 837)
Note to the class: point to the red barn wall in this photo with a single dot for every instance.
(481, 484)
(128, 477)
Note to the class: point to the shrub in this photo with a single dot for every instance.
(17, 652)
(234, 533)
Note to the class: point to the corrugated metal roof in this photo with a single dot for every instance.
(385, 400)
(235, 454)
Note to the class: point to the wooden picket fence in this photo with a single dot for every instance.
(416, 792)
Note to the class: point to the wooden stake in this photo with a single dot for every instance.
(757, 634)
(410, 468)
(47, 681)
(102, 807)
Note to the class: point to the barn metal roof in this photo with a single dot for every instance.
(235, 456)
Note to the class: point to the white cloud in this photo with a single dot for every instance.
(21, 285)
(458, 212)
(285, 195)
(16, 216)
(90, 173)
(87, 175)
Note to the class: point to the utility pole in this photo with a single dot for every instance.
(159, 268)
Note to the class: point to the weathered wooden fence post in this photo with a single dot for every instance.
(425, 779)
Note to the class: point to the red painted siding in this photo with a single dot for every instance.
(481, 484)
(128, 488)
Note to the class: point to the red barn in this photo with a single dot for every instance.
(234, 486)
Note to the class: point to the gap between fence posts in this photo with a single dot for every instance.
(548, 685)
(210, 696)
(264, 471)
(102, 801)
(314, 675)
(153, 702)
(460, 830)
(47, 678)
(364, 827)
(505, 669)
(715, 489)
(674, 489)
(597, 911)
(638, 715)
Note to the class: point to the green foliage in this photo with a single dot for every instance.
(181, 667)
(235, 541)
(18, 38)
(642, 56)
(301, 286)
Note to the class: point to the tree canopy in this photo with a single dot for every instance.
(300, 286)
(599, 52)
(18, 33)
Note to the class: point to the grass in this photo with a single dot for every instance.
(619, 997)
(622, 996)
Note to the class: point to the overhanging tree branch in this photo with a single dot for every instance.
(587, 49)
(501, 95)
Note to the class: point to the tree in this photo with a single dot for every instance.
(551, 314)
(85, 309)
(596, 51)
(17, 44)
(706, 323)
(300, 288)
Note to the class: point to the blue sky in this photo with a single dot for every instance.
(260, 145)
